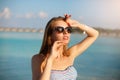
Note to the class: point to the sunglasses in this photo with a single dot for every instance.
(60, 29)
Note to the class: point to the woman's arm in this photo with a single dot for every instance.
(37, 72)
(54, 54)
(92, 34)
(35, 65)
(47, 69)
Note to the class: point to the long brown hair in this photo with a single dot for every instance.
(47, 42)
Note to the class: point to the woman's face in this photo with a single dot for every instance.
(64, 35)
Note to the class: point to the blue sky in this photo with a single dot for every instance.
(36, 13)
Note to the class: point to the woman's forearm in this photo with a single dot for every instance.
(57, 45)
(47, 70)
(89, 30)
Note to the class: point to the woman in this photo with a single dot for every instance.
(55, 60)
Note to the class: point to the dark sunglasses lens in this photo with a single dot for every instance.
(69, 29)
(59, 29)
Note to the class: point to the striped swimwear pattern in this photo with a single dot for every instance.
(68, 74)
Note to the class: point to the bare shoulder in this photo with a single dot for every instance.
(36, 62)
(37, 58)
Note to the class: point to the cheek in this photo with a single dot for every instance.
(56, 37)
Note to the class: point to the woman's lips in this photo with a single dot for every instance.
(65, 37)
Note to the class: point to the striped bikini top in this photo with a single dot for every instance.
(69, 73)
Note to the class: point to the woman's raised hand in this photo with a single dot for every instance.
(71, 22)
(56, 48)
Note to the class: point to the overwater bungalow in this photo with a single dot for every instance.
(13, 29)
(20, 30)
(6, 29)
(40, 30)
(33, 30)
(1, 29)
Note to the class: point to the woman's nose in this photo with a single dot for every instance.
(65, 31)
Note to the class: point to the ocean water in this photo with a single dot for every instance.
(101, 61)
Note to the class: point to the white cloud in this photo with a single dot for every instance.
(31, 15)
(5, 13)
(42, 14)
(27, 15)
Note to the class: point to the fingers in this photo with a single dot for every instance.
(58, 44)
(67, 19)
(67, 16)
(71, 22)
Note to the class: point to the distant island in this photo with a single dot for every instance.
(8, 29)
(109, 32)
(102, 31)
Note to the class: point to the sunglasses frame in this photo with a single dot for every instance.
(61, 29)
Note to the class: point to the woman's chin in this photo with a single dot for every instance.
(65, 43)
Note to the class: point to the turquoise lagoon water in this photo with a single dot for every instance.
(101, 61)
